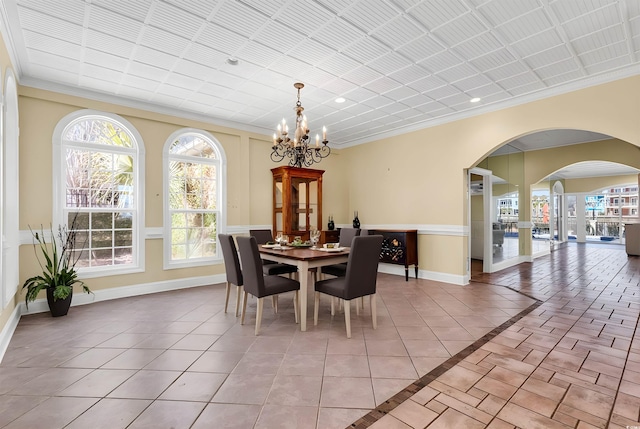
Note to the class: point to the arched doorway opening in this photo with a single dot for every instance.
(543, 174)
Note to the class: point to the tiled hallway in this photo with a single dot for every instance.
(564, 356)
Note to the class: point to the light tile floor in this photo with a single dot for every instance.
(177, 360)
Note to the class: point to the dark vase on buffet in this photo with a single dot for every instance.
(331, 225)
(356, 221)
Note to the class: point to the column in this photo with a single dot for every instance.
(581, 221)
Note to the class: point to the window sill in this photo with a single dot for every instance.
(90, 273)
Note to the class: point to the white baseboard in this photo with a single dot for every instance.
(40, 305)
(8, 330)
(398, 270)
(455, 279)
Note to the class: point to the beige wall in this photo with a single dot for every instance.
(541, 163)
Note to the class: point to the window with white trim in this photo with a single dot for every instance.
(194, 166)
(99, 157)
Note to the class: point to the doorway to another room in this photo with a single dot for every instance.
(544, 190)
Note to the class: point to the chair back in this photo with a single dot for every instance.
(263, 236)
(231, 260)
(346, 236)
(252, 273)
(362, 267)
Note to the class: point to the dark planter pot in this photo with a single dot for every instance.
(58, 307)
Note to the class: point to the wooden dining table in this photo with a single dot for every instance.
(305, 259)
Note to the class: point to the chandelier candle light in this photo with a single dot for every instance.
(298, 149)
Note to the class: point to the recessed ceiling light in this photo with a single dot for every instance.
(340, 100)
(232, 61)
(475, 100)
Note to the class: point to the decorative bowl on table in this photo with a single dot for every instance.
(300, 243)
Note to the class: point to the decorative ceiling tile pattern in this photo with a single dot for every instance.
(400, 64)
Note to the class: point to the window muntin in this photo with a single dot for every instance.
(99, 157)
(193, 179)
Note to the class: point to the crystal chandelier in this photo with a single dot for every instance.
(297, 147)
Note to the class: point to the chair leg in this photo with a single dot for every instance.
(239, 291)
(244, 307)
(347, 317)
(274, 300)
(226, 296)
(374, 311)
(333, 306)
(316, 304)
(357, 307)
(259, 314)
(296, 310)
(362, 303)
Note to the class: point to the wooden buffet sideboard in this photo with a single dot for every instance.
(399, 246)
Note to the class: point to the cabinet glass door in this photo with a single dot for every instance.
(277, 206)
(297, 200)
(312, 218)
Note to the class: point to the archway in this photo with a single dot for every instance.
(540, 169)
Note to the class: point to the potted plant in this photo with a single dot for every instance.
(59, 274)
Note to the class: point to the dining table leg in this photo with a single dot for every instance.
(305, 274)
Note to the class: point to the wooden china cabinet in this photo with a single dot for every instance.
(297, 200)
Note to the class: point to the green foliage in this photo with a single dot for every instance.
(57, 263)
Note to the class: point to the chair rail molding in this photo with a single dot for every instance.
(451, 230)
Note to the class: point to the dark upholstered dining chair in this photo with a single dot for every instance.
(263, 236)
(232, 268)
(271, 268)
(259, 285)
(346, 236)
(359, 280)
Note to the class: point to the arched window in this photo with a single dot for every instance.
(194, 167)
(100, 190)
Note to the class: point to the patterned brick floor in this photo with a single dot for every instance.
(572, 362)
